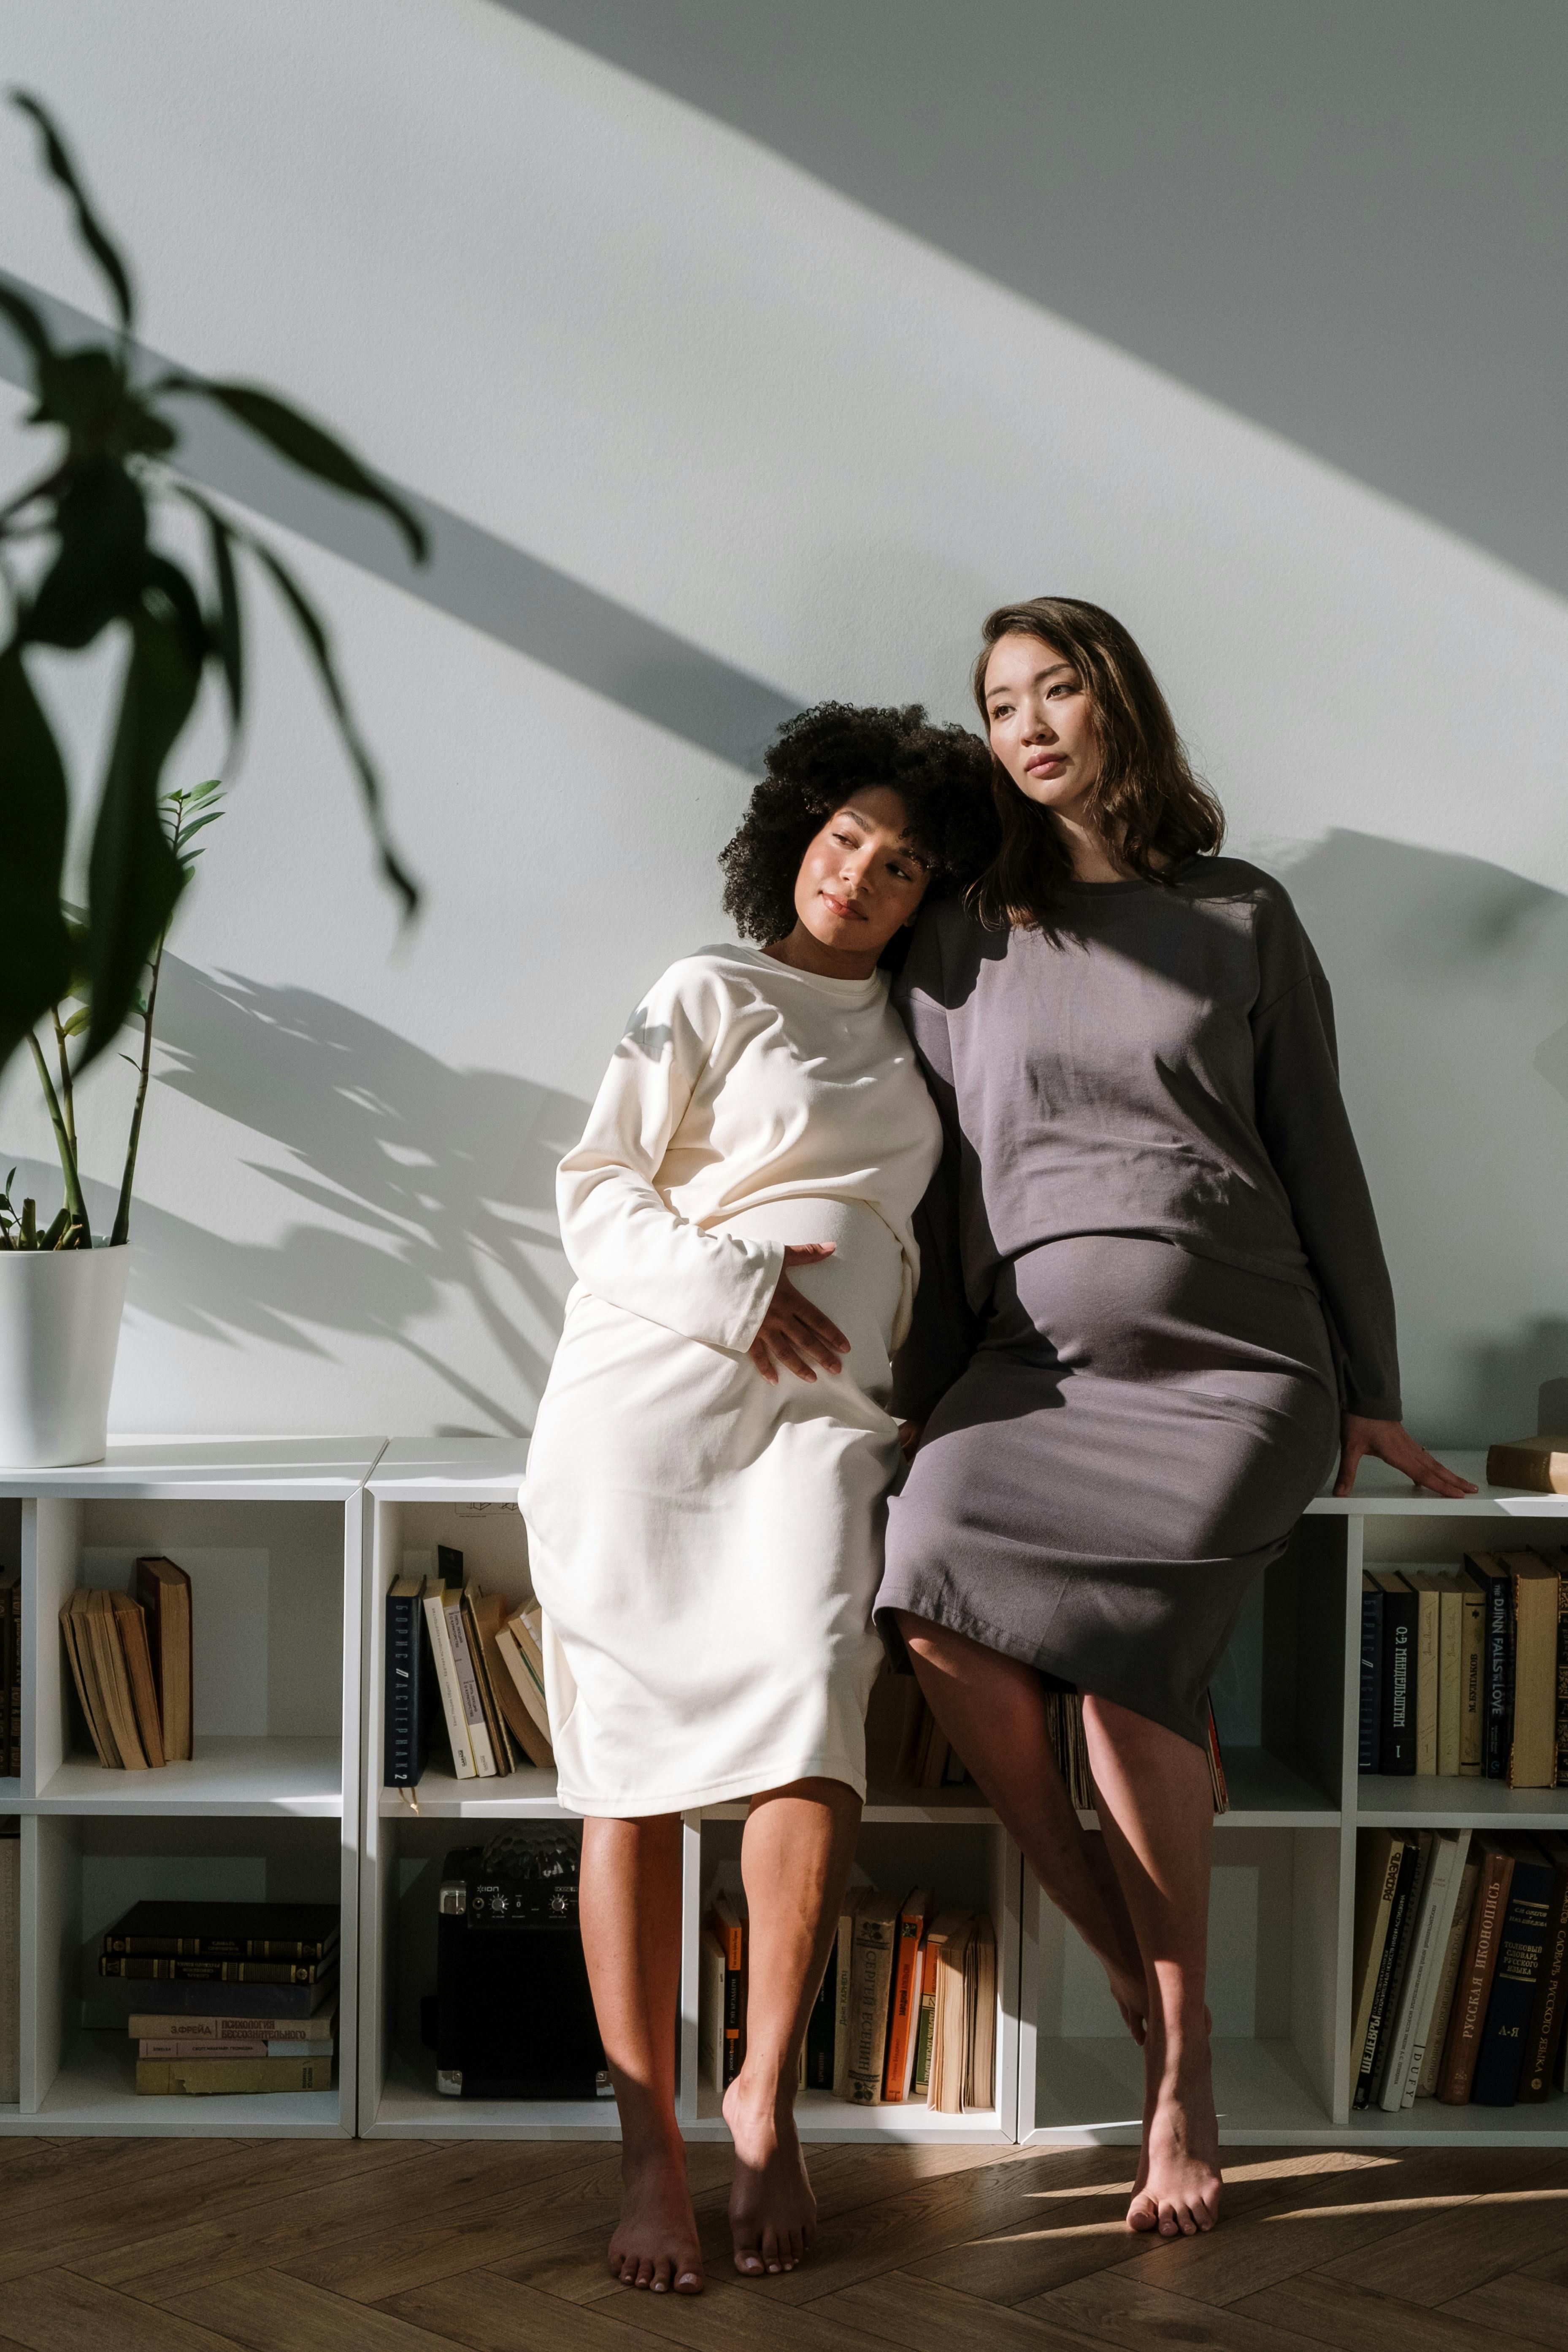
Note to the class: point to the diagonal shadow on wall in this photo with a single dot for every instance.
(414, 1180)
(472, 575)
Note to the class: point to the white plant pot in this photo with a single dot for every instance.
(60, 1330)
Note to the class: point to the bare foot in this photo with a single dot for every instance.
(655, 2244)
(1177, 2189)
(772, 2213)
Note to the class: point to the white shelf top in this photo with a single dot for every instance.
(95, 2092)
(522, 1795)
(1383, 1493)
(298, 1777)
(213, 1469)
(1418, 1800)
(450, 1470)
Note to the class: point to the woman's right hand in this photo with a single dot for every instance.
(794, 1330)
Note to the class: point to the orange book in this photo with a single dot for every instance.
(903, 2007)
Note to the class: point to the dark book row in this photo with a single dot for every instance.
(1463, 1671)
(1458, 1970)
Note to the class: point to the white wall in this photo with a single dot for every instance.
(712, 438)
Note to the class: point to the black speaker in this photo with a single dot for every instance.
(514, 2017)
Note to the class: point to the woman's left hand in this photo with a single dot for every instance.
(1391, 1442)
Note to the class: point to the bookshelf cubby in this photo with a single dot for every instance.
(292, 1547)
(1287, 1699)
(271, 1532)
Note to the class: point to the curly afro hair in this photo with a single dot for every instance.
(942, 775)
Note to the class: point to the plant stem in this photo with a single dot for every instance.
(68, 1093)
(63, 1144)
(121, 1231)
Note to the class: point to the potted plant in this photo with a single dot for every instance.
(80, 555)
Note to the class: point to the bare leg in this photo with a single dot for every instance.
(795, 1859)
(630, 1911)
(994, 1710)
(1157, 1808)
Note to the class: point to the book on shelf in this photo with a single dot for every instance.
(1543, 2031)
(1367, 2081)
(1532, 1734)
(1397, 1698)
(821, 2029)
(433, 1601)
(1447, 1980)
(1426, 1585)
(163, 1590)
(1497, 1672)
(920, 2085)
(980, 2017)
(468, 1684)
(1521, 1947)
(1379, 1854)
(228, 2077)
(136, 1663)
(10, 1962)
(871, 1992)
(1560, 1561)
(951, 1932)
(113, 1650)
(1369, 1745)
(10, 1673)
(903, 2013)
(284, 2007)
(1414, 1996)
(1402, 1939)
(710, 2005)
(510, 1725)
(450, 1566)
(728, 1917)
(225, 1931)
(1539, 1465)
(410, 1693)
(154, 1970)
(843, 1986)
(184, 2045)
(1477, 1963)
(520, 1684)
(1472, 1678)
(217, 2030)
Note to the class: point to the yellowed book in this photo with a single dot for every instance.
(1427, 1584)
(1532, 1757)
(1539, 1465)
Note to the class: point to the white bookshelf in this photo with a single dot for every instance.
(271, 1532)
(291, 1548)
(1281, 1917)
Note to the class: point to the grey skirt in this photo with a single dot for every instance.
(1130, 1445)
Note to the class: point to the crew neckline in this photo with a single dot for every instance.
(1132, 882)
(848, 992)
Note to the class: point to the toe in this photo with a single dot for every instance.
(1142, 2214)
(749, 2261)
(645, 2273)
(771, 2250)
(689, 2283)
(660, 2280)
(1170, 2227)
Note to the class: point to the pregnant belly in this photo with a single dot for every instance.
(860, 1286)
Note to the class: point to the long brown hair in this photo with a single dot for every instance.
(1146, 802)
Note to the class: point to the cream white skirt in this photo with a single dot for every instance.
(707, 1547)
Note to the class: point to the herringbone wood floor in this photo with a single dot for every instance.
(398, 2246)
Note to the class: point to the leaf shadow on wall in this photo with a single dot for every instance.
(416, 1178)
(1450, 982)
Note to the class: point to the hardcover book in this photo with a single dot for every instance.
(225, 1931)
(1401, 1635)
(164, 1592)
(1474, 1988)
(1544, 2032)
(410, 1693)
(1532, 1743)
(870, 1988)
(1494, 1581)
(1369, 1746)
(1521, 1947)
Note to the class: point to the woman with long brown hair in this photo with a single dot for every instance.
(1154, 1302)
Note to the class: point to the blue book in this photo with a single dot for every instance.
(1521, 1949)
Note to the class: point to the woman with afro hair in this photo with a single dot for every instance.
(705, 1485)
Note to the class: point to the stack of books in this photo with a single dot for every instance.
(1463, 1671)
(906, 2013)
(10, 1673)
(236, 1996)
(130, 1657)
(1458, 1969)
(464, 1656)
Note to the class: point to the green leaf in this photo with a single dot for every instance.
(93, 236)
(134, 876)
(35, 963)
(77, 1024)
(307, 446)
(228, 630)
(26, 320)
(98, 574)
(317, 643)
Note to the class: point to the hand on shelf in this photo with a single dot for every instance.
(1391, 1442)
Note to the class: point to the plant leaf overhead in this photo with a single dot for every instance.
(308, 446)
(36, 962)
(88, 228)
